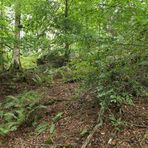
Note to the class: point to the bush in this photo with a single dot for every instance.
(113, 77)
(42, 79)
(29, 61)
(53, 59)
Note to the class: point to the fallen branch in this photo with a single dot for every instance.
(98, 125)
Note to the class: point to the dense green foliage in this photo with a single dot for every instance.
(100, 43)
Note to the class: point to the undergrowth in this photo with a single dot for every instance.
(109, 77)
(17, 110)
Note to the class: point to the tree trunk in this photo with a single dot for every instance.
(16, 64)
(2, 66)
(67, 50)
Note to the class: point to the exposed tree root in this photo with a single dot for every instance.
(98, 125)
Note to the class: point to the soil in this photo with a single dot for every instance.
(80, 113)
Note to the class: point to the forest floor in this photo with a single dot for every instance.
(80, 113)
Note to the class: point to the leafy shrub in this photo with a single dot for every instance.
(53, 59)
(46, 126)
(111, 78)
(17, 110)
(4, 60)
(42, 79)
(75, 71)
(66, 73)
(117, 123)
(29, 61)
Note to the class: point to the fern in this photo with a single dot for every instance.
(16, 110)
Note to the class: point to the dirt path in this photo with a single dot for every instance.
(79, 114)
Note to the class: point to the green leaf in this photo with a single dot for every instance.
(49, 141)
(52, 128)
(144, 63)
(84, 132)
(58, 117)
(42, 127)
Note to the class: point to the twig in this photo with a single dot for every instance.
(137, 125)
(113, 135)
(99, 124)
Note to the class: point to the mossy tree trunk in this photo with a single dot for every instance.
(2, 60)
(67, 45)
(16, 63)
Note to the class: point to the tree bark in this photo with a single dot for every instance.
(67, 50)
(16, 64)
(2, 66)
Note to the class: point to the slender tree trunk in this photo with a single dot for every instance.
(2, 59)
(16, 64)
(2, 66)
(67, 50)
